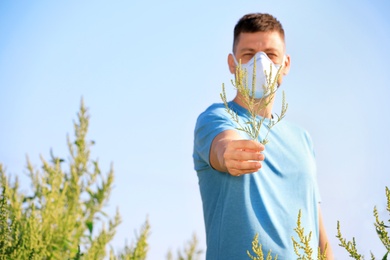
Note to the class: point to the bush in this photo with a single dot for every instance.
(63, 217)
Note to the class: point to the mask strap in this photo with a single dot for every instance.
(284, 59)
(235, 60)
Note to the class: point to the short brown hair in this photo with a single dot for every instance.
(256, 22)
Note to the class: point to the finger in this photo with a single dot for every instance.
(247, 145)
(243, 167)
(243, 155)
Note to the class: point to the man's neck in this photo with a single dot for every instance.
(264, 107)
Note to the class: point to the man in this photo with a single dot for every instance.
(247, 188)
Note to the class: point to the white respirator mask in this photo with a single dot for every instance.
(266, 72)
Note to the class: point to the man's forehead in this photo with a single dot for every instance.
(264, 40)
(255, 49)
(260, 36)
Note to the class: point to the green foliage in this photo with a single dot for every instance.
(62, 217)
(190, 251)
(380, 225)
(254, 106)
(350, 246)
(138, 250)
(381, 231)
(302, 248)
(257, 249)
(304, 242)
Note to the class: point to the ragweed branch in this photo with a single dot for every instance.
(258, 250)
(381, 231)
(255, 106)
(302, 248)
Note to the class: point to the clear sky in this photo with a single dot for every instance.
(146, 69)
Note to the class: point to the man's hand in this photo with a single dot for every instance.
(229, 153)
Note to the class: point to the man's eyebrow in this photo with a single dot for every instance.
(253, 50)
(248, 49)
(271, 49)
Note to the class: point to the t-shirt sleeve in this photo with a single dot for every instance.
(209, 124)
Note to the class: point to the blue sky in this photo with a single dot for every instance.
(147, 69)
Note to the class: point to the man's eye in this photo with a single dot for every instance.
(246, 57)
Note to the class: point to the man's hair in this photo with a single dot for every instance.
(256, 22)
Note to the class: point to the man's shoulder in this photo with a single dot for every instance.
(214, 119)
(214, 110)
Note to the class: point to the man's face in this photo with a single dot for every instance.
(271, 43)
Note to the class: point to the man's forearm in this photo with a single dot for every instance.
(324, 242)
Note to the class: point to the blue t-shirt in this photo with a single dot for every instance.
(266, 202)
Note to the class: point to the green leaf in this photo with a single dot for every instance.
(89, 226)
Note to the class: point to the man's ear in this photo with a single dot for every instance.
(286, 65)
(231, 64)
